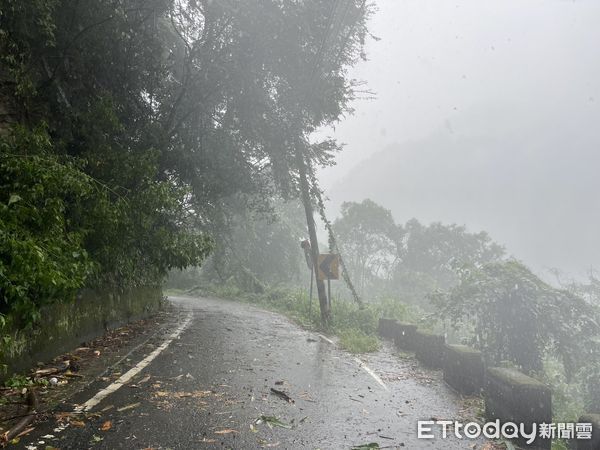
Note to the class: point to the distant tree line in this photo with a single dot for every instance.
(409, 259)
(469, 286)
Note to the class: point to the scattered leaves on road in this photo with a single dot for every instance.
(128, 407)
(226, 431)
(181, 394)
(272, 421)
(370, 445)
(106, 426)
(306, 396)
(24, 432)
(282, 395)
(266, 444)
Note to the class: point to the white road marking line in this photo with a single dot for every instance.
(370, 372)
(361, 364)
(126, 377)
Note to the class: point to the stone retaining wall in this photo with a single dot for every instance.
(64, 326)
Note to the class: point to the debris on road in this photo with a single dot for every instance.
(306, 397)
(226, 431)
(266, 444)
(128, 407)
(369, 446)
(20, 428)
(272, 421)
(282, 395)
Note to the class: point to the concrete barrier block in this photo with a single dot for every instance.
(405, 336)
(387, 328)
(464, 369)
(512, 396)
(429, 348)
(594, 442)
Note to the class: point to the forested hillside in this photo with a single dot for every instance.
(134, 128)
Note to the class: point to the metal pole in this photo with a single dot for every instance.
(312, 275)
(329, 292)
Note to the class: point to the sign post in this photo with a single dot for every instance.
(329, 266)
(305, 245)
(329, 269)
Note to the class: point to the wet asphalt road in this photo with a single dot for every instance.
(210, 385)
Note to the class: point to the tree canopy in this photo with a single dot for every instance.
(139, 122)
(517, 317)
(410, 260)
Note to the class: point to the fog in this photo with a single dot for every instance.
(235, 220)
(485, 114)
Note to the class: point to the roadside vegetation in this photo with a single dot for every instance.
(146, 140)
(440, 277)
(355, 327)
(130, 130)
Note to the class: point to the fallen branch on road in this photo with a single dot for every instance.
(282, 395)
(33, 402)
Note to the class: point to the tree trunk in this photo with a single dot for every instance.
(312, 234)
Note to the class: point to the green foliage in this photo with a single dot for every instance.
(61, 229)
(408, 261)
(567, 398)
(367, 236)
(559, 444)
(438, 251)
(589, 377)
(355, 341)
(355, 326)
(21, 381)
(41, 253)
(254, 249)
(143, 124)
(515, 316)
(25, 28)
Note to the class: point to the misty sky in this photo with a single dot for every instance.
(487, 114)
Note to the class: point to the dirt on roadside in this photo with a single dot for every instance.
(56, 381)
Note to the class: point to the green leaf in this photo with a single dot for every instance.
(273, 422)
(14, 198)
